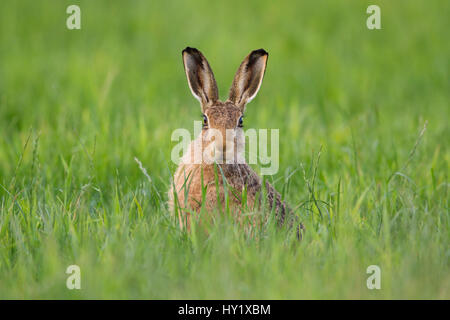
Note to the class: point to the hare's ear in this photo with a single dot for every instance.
(200, 77)
(248, 78)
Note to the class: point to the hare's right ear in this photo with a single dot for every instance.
(200, 77)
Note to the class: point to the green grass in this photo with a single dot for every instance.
(76, 107)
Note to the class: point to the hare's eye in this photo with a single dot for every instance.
(205, 120)
(241, 122)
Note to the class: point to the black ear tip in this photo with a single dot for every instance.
(190, 50)
(260, 52)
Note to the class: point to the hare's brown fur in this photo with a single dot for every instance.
(190, 176)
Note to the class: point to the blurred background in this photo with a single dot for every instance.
(77, 106)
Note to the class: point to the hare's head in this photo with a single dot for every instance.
(223, 121)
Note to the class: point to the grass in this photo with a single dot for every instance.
(77, 107)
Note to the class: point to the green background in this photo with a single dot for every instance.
(76, 107)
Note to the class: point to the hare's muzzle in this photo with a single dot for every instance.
(222, 145)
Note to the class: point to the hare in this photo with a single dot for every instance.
(191, 177)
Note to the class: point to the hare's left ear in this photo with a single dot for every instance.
(248, 78)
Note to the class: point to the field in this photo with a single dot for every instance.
(364, 112)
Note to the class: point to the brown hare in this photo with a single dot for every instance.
(192, 178)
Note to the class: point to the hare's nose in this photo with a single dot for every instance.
(217, 136)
